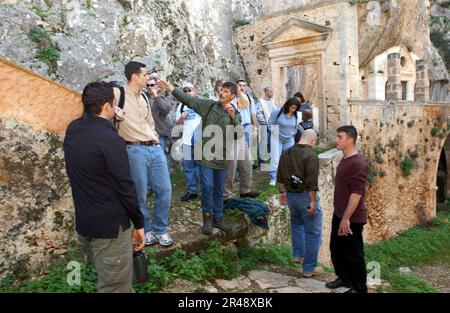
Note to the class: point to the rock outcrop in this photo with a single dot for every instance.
(181, 39)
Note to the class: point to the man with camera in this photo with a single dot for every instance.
(297, 176)
(161, 107)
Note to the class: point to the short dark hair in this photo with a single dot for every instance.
(218, 84)
(299, 95)
(290, 102)
(306, 115)
(241, 81)
(95, 95)
(350, 131)
(133, 67)
(231, 86)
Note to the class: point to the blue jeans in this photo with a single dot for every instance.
(212, 183)
(306, 229)
(149, 171)
(248, 133)
(191, 171)
(277, 147)
(163, 141)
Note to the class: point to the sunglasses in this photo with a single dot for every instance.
(151, 85)
(187, 90)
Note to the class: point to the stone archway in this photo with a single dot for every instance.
(297, 53)
(443, 174)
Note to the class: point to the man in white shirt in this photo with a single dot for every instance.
(190, 120)
(264, 109)
(242, 160)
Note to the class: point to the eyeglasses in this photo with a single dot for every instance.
(186, 90)
(151, 85)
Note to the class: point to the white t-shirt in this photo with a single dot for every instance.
(191, 123)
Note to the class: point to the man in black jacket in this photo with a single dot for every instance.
(103, 192)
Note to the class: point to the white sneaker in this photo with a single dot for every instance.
(164, 240)
(272, 182)
(150, 238)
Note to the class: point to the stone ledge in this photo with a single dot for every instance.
(193, 240)
(328, 156)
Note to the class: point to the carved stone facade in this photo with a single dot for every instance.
(314, 48)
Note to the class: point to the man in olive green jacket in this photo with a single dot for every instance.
(222, 119)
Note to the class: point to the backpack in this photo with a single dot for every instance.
(281, 112)
(298, 132)
(121, 103)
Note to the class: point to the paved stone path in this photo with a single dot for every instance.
(269, 280)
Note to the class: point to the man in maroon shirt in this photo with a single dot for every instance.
(350, 215)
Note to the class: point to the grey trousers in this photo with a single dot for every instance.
(113, 261)
(242, 161)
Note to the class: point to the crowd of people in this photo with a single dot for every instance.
(116, 155)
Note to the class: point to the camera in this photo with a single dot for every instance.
(295, 182)
(120, 114)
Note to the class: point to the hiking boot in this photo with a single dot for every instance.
(316, 272)
(188, 196)
(220, 224)
(207, 224)
(337, 283)
(251, 194)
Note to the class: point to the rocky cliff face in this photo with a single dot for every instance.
(189, 40)
(92, 39)
(390, 23)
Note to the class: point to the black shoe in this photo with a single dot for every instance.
(351, 290)
(207, 224)
(220, 224)
(188, 196)
(338, 283)
(251, 194)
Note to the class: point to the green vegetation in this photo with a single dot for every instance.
(320, 150)
(214, 262)
(46, 49)
(48, 3)
(406, 166)
(239, 23)
(417, 246)
(439, 37)
(40, 12)
(268, 192)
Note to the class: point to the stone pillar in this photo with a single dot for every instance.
(376, 85)
(422, 89)
(394, 85)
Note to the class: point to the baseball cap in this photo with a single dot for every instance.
(187, 85)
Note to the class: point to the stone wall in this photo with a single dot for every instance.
(401, 142)
(35, 100)
(279, 220)
(337, 65)
(36, 209)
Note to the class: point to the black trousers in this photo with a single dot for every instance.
(347, 255)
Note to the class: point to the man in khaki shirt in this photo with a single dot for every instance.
(148, 162)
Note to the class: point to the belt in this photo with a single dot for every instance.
(142, 143)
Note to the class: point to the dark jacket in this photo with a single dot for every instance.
(303, 162)
(99, 174)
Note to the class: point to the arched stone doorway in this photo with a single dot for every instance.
(443, 174)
